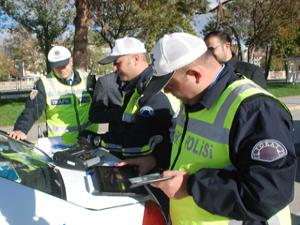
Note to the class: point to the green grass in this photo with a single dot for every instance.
(10, 110)
(283, 89)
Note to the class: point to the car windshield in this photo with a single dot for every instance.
(21, 162)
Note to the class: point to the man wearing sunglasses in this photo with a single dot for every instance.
(219, 43)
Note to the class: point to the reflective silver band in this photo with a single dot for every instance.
(58, 92)
(235, 222)
(153, 141)
(274, 220)
(215, 131)
(128, 117)
(55, 129)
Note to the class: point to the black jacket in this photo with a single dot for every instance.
(251, 190)
(146, 125)
(107, 101)
(249, 70)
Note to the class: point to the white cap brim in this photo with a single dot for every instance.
(59, 63)
(108, 59)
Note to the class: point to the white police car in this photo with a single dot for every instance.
(35, 191)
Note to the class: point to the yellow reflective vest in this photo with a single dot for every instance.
(206, 131)
(67, 109)
(129, 116)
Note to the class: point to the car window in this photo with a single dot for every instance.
(22, 163)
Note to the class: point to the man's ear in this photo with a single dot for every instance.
(195, 74)
(136, 58)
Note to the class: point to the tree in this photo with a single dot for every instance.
(82, 23)
(47, 19)
(7, 67)
(264, 24)
(22, 48)
(144, 19)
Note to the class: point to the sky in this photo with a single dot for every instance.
(6, 23)
(199, 22)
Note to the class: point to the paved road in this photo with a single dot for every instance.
(294, 105)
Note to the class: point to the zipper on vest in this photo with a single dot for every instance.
(76, 110)
(182, 138)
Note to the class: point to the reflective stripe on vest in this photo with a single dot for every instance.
(132, 107)
(67, 108)
(54, 129)
(134, 151)
(129, 116)
(205, 145)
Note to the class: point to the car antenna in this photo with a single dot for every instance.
(33, 96)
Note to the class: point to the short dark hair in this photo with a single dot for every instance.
(223, 36)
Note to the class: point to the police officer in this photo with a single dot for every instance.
(233, 158)
(63, 94)
(219, 43)
(145, 120)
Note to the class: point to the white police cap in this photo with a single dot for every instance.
(59, 56)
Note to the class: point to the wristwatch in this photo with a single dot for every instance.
(97, 141)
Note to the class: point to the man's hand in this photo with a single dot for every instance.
(86, 137)
(176, 187)
(145, 163)
(17, 134)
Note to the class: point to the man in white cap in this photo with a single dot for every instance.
(63, 95)
(145, 120)
(230, 162)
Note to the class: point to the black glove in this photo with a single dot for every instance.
(87, 137)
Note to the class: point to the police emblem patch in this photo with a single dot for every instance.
(33, 94)
(268, 150)
(147, 111)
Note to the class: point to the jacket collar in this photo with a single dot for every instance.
(76, 78)
(132, 84)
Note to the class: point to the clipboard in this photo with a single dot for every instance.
(147, 179)
(111, 180)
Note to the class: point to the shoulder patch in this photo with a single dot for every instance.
(268, 150)
(33, 94)
(147, 111)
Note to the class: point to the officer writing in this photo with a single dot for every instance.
(231, 163)
(144, 120)
(63, 95)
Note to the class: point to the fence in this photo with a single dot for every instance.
(15, 89)
(293, 76)
(16, 85)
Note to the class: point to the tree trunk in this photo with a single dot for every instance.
(82, 23)
(249, 52)
(240, 53)
(286, 68)
(45, 44)
(269, 60)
